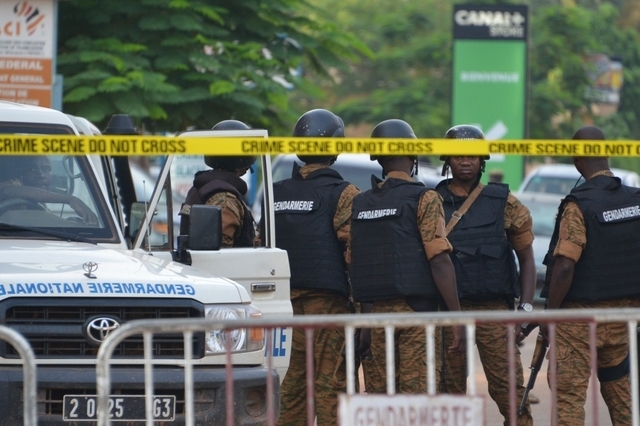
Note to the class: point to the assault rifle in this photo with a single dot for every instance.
(542, 344)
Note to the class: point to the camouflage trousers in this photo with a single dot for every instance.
(491, 340)
(574, 365)
(410, 354)
(328, 362)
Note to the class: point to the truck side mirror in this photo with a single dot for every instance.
(205, 228)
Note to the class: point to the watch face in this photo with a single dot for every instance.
(527, 307)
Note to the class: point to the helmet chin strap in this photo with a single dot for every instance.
(445, 168)
(414, 170)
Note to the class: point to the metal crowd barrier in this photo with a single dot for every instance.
(29, 385)
(187, 327)
(352, 322)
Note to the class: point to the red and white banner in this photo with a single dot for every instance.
(26, 51)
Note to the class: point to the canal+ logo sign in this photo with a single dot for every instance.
(490, 22)
(26, 21)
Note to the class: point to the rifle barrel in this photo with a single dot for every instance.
(536, 364)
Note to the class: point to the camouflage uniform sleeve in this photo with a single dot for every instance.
(572, 238)
(342, 218)
(432, 226)
(518, 224)
(232, 215)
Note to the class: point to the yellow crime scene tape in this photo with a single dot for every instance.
(165, 145)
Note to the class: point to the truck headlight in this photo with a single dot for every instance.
(241, 339)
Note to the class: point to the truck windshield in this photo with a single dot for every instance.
(56, 193)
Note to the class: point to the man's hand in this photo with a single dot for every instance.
(459, 340)
(87, 215)
(523, 330)
(544, 330)
(520, 336)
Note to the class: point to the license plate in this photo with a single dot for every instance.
(122, 408)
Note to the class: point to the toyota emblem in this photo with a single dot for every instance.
(98, 328)
(89, 267)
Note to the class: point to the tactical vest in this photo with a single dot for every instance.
(387, 255)
(304, 212)
(482, 255)
(609, 266)
(208, 183)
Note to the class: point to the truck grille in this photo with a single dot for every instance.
(54, 328)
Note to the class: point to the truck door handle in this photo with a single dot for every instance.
(262, 287)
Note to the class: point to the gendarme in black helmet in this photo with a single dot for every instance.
(120, 124)
(319, 123)
(230, 162)
(464, 132)
(392, 128)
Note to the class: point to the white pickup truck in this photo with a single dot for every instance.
(262, 270)
(69, 274)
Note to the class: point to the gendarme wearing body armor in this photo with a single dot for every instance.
(210, 182)
(607, 268)
(482, 256)
(309, 206)
(389, 261)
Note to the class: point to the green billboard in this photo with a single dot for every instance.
(490, 78)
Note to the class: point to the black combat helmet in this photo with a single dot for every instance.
(394, 129)
(120, 124)
(319, 123)
(464, 132)
(230, 162)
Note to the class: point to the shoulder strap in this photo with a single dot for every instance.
(457, 215)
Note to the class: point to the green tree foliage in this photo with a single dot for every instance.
(562, 36)
(561, 39)
(409, 76)
(173, 64)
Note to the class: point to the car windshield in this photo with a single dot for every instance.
(543, 212)
(553, 184)
(54, 193)
(39, 128)
(544, 218)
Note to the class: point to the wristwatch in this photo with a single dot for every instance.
(527, 307)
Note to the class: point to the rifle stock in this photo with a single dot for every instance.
(536, 363)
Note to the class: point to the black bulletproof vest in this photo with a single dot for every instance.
(304, 211)
(609, 266)
(210, 182)
(387, 255)
(482, 256)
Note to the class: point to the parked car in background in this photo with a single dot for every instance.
(543, 208)
(562, 178)
(354, 168)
